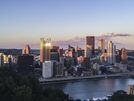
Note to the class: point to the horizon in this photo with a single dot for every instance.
(64, 43)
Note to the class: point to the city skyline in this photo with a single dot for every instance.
(66, 22)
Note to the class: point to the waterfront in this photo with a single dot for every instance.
(71, 78)
(84, 89)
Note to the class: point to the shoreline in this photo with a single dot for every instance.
(69, 79)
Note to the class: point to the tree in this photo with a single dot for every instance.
(15, 87)
(121, 96)
(22, 93)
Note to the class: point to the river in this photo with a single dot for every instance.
(84, 89)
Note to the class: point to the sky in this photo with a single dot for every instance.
(65, 22)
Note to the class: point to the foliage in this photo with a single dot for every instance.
(121, 96)
(15, 87)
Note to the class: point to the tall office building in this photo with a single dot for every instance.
(45, 47)
(111, 52)
(101, 44)
(90, 45)
(26, 50)
(54, 53)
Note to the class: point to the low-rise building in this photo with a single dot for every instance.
(130, 90)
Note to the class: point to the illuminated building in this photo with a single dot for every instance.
(103, 57)
(70, 55)
(45, 47)
(123, 55)
(111, 49)
(90, 45)
(101, 44)
(26, 50)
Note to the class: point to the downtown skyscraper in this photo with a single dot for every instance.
(111, 52)
(101, 44)
(90, 45)
(45, 47)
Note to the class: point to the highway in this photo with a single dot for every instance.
(71, 78)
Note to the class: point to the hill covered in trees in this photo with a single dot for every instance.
(15, 87)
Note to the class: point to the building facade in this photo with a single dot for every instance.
(124, 55)
(130, 90)
(45, 47)
(47, 69)
(90, 46)
(111, 52)
(101, 44)
(26, 50)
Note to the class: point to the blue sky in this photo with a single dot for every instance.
(26, 21)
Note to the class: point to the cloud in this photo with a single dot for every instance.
(77, 41)
(115, 35)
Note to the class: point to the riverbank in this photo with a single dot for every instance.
(63, 79)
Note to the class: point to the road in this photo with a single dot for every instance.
(70, 78)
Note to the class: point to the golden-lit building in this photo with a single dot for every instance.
(45, 48)
(26, 50)
(101, 44)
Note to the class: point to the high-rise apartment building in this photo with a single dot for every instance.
(90, 45)
(45, 47)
